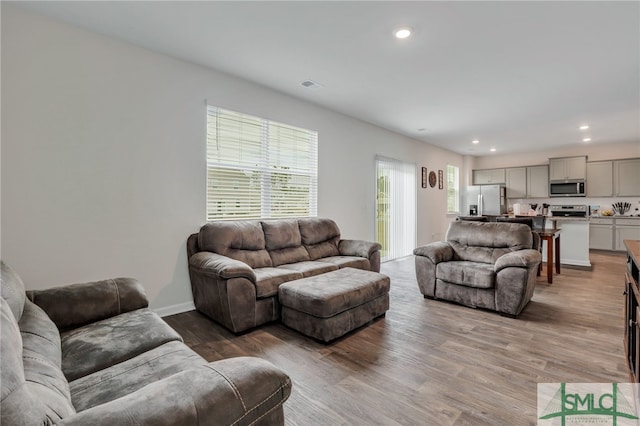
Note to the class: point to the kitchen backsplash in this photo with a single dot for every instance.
(604, 203)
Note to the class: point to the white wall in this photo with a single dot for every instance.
(103, 158)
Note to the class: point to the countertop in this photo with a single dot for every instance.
(633, 248)
(568, 218)
(616, 217)
(586, 219)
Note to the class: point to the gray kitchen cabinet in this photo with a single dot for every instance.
(610, 233)
(489, 177)
(516, 182)
(538, 181)
(566, 168)
(626, 229)
(626, 177)
(600, 179)
(601, 234)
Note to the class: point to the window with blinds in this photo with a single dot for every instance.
(259, 169)
(453, 190)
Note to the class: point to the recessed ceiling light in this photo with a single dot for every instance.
(584, 127)
(475, 141)
(403, 32)
(492, 150)
(586, 140)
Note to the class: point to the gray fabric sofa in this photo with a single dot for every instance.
(487, 265)
(236, 267)
(93, 354)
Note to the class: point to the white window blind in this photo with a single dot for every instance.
(453, 190)
(257, 168)
(395, 207)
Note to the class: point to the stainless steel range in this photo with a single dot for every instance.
(568, 210)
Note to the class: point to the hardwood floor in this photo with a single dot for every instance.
(436, 363)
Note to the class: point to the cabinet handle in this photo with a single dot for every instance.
(632, 323)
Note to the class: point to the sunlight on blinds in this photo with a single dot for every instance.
(258, 168)
(453, 190)
(395, 207)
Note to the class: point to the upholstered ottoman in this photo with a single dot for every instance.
(329, 305)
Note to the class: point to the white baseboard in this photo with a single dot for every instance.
(576, 262)
(175, 309)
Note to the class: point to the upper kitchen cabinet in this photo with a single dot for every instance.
(538, 181)
(600, 179)
(626, 177)
(489, 177)
(516, 182)
(567, 168)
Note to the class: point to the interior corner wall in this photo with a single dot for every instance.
(103, 158)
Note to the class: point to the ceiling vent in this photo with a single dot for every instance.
(312, 84)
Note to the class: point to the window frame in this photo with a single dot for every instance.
(258, 168)
(455, 196)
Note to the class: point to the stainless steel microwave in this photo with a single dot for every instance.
(568, 188)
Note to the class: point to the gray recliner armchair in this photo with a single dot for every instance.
(486, 265)
(94, 354)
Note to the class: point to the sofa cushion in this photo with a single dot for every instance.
(326, 295)
(486, 242)
(348, 262)
(107, 342)
(268, 280)
(320, 237)
(310, 268)
(283, 241)
(12, 290)
(466, 273)
(34, 390)
(239, 240)
(128, 376)
(282, 233)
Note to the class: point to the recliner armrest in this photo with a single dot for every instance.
(358, 248)
(75, 305)
(238, 391)
(520, 259)
(222, 266)
(437, 252)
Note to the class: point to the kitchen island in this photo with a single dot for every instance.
(574, 232)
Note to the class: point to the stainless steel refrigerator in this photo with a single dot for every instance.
(483, 200)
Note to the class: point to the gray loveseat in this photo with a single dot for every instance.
(93, 354)
(486, 265)
(236, 267)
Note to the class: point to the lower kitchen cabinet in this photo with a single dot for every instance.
(626, 229)
(609, 234)
(601, 236)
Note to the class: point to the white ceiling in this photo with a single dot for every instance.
(518, 76)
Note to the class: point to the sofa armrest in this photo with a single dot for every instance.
(222, 266)
(358, 248)
(437, 252)
(238, 391)
(75, 305)
(520, 259)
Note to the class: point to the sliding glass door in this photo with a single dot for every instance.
(395, 207)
